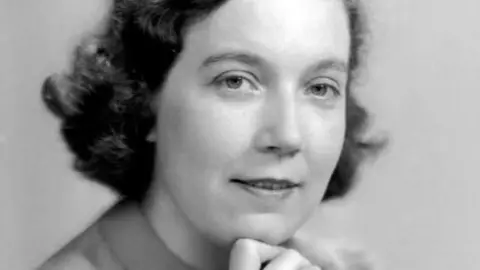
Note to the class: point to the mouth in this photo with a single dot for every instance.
(268, 184)
(268, 191)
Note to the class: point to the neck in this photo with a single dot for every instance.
(180, 236)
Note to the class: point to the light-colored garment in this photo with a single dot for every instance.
(121, 239)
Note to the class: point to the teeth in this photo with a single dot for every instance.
(270, 186)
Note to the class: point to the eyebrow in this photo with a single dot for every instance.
(245, 58)
(255, 60)
(331, 64)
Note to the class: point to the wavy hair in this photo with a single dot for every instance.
(103, 101)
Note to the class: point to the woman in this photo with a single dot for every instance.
(222, 124)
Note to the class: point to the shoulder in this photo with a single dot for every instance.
(87, 251)
(70, 261)
(75, 254)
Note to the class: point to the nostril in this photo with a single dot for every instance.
(284, 151)
(279, 140)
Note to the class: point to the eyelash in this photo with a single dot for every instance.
(221, 80)
(324, 85)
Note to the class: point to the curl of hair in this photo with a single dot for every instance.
(104, 101)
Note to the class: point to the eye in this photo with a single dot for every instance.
(235, 83)
(323, 91)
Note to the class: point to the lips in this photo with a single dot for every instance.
(268, 183)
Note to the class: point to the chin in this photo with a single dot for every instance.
(270, 230)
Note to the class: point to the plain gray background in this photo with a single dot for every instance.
(416, 207)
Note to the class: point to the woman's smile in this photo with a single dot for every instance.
(268, 188)
(225, 119)
(275, 105)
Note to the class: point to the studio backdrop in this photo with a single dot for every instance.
(416, 207)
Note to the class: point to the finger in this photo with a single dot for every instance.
(317, 253)
(334, 254)
(311, 267)
(356, 259)
(249, 254)
(288, 260)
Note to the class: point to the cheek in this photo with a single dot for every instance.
(202, 137)
(324, 146)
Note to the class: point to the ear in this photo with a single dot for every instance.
(153, 106)
(152, 135)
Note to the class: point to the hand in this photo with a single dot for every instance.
(248, 254)
(333, 254)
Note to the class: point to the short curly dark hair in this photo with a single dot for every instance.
(104, 101)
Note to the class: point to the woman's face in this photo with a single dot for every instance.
(258, 92)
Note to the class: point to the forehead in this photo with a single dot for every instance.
(275, 28)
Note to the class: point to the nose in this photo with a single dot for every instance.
(280, 133)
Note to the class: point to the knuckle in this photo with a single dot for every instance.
(295, 255)
(243, 245)
(311, 267)
(293, 252)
